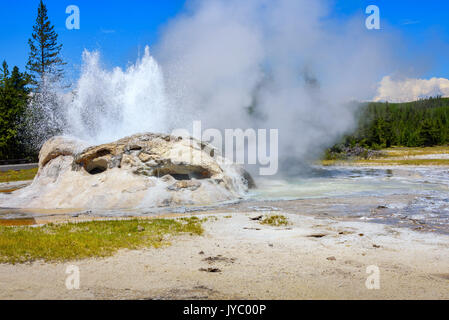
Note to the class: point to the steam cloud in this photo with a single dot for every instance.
(297, 69)
(282, 64)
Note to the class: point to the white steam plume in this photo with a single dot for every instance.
(295, 68)
(239, 64)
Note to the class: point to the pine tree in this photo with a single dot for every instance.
(44, 59)
(44, 117)
(4, 73)
(429, 133)
(13, 101)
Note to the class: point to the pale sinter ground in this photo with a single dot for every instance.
(312, 258)
(259, 261)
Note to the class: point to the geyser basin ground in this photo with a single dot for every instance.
(140, 171)
(323, 253)
(314, 257)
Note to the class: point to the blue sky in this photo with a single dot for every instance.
(119, 29)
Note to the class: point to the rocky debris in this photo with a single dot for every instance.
(213, 270)
(219, 258)
(346, 152)
(361, 152)
(345, 232)
(143, 170)
(317, 235)
(190, 185)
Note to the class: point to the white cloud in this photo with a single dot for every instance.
(411, 89)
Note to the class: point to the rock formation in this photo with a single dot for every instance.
(140, 171)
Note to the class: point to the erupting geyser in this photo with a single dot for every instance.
(143, 170)
(109, 105)
(230, 65)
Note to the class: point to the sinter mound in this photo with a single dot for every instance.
(144, 170)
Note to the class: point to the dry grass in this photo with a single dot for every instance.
(399, 156)
(275, 220)
(18, 175)
(409, 152)
(72, 241)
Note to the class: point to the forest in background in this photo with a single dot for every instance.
(421, 123)
(28, 99)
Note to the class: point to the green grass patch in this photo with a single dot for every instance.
(73, 241)
(18, 175)
(275, 220)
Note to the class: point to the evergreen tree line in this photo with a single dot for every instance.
(26, 97)
(420, 123)
(14, 95)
